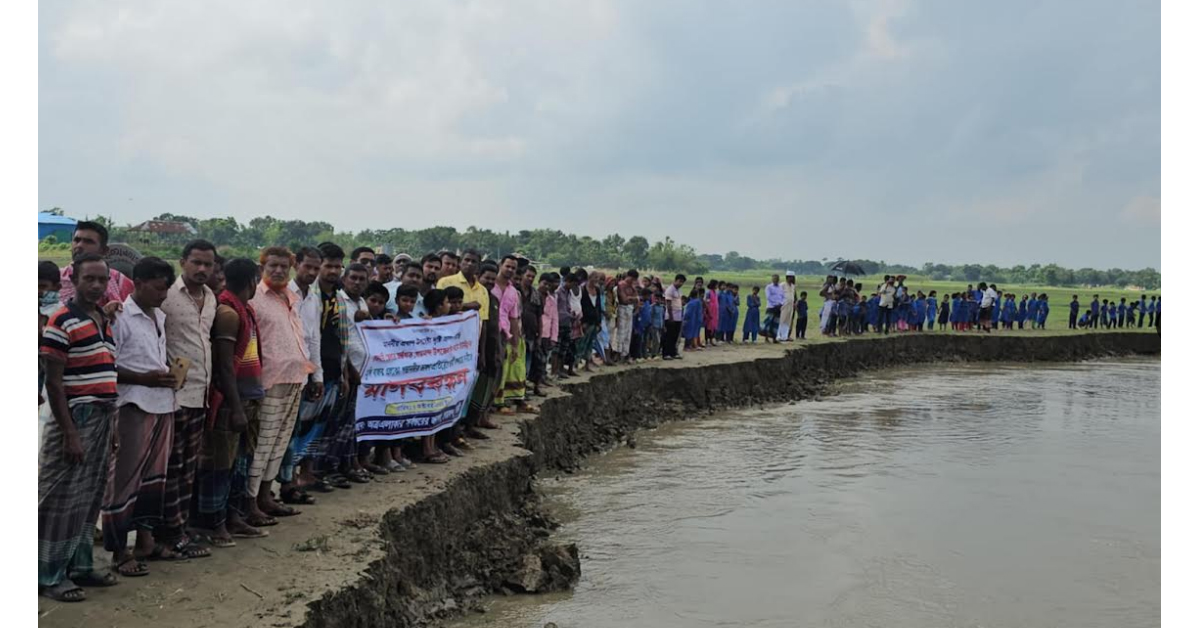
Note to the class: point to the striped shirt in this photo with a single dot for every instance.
(87, 352)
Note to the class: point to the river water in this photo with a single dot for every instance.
(966, 495)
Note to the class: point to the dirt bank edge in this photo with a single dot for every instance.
(455, 546)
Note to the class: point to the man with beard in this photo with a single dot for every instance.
(384, 271)
(284, 375)
(81, 386)
(92, 237)
(431, 268)
(191, 308)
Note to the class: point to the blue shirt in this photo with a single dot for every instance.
(656, 316)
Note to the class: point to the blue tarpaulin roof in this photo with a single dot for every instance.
(49, 224)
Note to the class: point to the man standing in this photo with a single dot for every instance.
(788, 311)
(626, 300)
(317, 417)
(308, 307)
(81, 386)
(450, 264)
(985, 306)
(1072, 322)
(384, 271)
(477, 298)
(284, 375)
(190, 307)
(235, 408)
(512, 386)
(92, 237)
(674, 322)
(133, 499)
(341, 454)
(1095, 311)
(887, 300)
(774, 309)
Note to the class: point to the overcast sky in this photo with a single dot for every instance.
(1011, 132)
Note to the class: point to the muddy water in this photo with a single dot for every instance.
(934, 496)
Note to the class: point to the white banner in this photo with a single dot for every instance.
(418, 376)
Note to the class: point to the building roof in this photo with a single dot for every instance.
(45, 218)
(164, 226)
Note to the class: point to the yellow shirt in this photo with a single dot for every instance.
(477, 294)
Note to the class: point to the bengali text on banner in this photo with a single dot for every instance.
(418, 376)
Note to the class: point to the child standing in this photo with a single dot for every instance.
(802, 315)
(657, 321)
(751, 325)
(693, 320)
(944, 313)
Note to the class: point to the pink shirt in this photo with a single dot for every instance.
(280, 337)
(119, 286)
(510, 307)
(550, 317)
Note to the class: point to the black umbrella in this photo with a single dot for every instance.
(847, 268)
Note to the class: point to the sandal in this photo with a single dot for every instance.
(65, 591)
(247, 534)
(438, 458)
(139, 568)
(338, 482)
(162, 553)
(322, 486)
(293, 495)
(190, 549)
(361, 476)
(216, 541)
(97, 579)
(261, 522)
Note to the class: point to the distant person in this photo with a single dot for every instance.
(1094, 311)
(1074, 316)
(931, 308)
(802, 316)
(1122, 309)
(1152, 310)
(774, 309)
(693, 320)
(751, 325)
(788, 311)
(887, 301)
(944, 313)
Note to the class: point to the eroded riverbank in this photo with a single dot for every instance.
(426, 545)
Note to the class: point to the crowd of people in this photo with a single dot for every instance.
(193, 409)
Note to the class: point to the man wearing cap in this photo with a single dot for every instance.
(789, 308)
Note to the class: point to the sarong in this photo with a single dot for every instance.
(133, 495)
(219, 455)
(276, 421)
(69, 494)
(181, 474)
(624, 329)
(512, 387)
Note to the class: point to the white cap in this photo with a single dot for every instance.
(790, 274)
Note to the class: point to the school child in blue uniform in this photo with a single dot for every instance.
(802, 316)
(972, 310)
(1043, 311)
(956, 312)
(1022, 311)
(693, 321)
(944, 313)
(873, 312)
(751, 326)
(1121, 314)
(931, 308)
(1072, 321)
(1095, 310)
(918, 311)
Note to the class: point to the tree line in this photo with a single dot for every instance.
(556, 248)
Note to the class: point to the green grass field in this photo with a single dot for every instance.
(1060, 298)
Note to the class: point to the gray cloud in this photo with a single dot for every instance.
(913, 131)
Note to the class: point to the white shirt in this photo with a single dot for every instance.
(308, 308)
(989, 297)
(391, 288)
(356, 350)
(142, 348)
